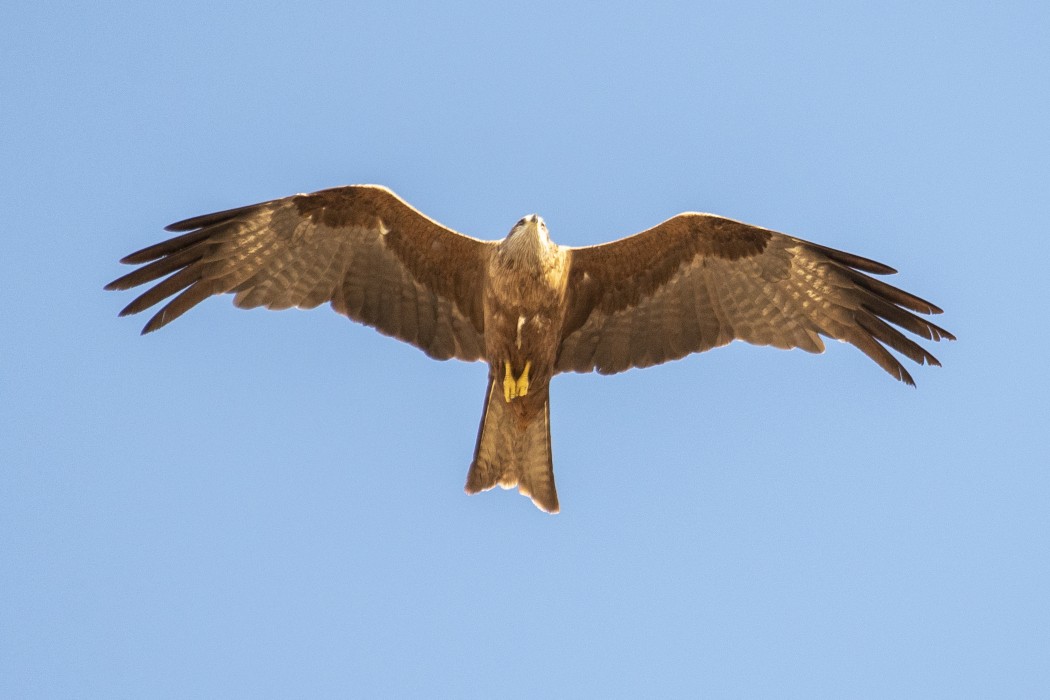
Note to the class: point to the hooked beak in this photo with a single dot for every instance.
(532, 224)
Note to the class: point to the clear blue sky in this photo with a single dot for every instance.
(252, 504)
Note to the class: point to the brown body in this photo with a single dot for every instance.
(528, 307)
(524, 307)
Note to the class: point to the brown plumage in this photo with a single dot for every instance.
(529, 307)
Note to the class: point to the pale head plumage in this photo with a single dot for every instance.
(528, 240)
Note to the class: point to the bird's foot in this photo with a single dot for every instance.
(510, 387)
(513, 388)
(522, 386)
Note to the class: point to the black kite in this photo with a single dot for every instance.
(529, 307)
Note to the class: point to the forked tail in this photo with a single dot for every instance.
(515, 451)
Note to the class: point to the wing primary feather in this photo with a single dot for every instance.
(882, 357)
(207, 220)
(885, 333)
(158, 268)
(190, 297)
(893, 294)
(176, 283)
(905, 319)
(167, 247)
(855, 261)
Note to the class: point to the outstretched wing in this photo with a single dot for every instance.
(698, 281)
(361, 248)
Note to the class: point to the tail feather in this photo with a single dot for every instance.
(512, 453)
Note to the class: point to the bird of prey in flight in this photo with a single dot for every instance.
(527, 306)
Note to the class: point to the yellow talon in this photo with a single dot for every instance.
(513, 389)
(509, 386)
(522, 387)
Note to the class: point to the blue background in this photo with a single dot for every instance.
(252, 504)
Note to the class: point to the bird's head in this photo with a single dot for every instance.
(531, 226)
(529, 237)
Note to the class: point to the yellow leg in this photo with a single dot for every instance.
(509, 385)
(513, 389)
(522, 386)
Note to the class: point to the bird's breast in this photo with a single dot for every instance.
(527, 280)
(524, 310)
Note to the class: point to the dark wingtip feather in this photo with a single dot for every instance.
(206, 220)
(892, 294)
(186, 300)
(172, 285)
(136, 258)
(184, 225)
(856, 261)
(867, 343)
(890, 336)
(159, 250)
(159, 268)
(161, 318)
(158, 321)
(122, 283)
